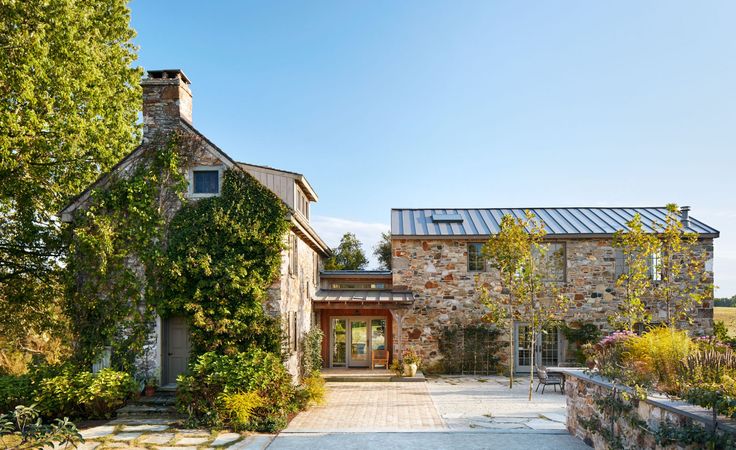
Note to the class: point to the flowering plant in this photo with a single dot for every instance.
(410, 356)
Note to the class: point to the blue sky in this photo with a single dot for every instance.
(459, 104)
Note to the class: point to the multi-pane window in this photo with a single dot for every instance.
(553, 264)
(357, 286)
(654, 263)
(293, 255)
(205, 181)
(476, 261)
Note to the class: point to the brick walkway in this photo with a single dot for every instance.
(361, 406)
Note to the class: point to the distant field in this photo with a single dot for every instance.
(727, 315)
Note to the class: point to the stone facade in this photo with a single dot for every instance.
(581, 392)
(290, 297)
(436, 271)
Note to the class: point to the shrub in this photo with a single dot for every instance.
(23, 429)
(84, 394)
(315, 390)
(14, 391)
(200, 393)
(240, 408)
(312, 352)
(654, 357)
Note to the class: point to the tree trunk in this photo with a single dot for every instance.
(511, 353)
(534, 358)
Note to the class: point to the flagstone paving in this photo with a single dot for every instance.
(480, 403)
(160, 434)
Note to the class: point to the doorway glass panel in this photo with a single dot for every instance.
(550, 347)
(358, 342)
(378, 334)
(524, 346)
(339, 342)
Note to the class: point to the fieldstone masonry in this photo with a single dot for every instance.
(446, 293)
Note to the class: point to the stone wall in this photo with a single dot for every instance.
(292, 294)
(586, 421)
(436, 271)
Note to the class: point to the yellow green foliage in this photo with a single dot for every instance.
(316, 390)
(654, 357)
(240, 407)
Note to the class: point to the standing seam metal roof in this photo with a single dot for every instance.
(576, 221)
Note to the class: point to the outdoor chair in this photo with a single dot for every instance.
(380, 357)
(546, 380)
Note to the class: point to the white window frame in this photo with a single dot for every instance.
(220, 171)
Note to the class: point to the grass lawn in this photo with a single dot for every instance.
(727, 315)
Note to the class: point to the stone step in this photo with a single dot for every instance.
(147, 410)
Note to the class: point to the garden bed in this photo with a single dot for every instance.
(605, 415)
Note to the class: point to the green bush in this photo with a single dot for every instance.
(312, 352)
(84, 394)
(200, 394)
(14, 391)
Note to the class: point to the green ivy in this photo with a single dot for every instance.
(118, 256)
(224, 253)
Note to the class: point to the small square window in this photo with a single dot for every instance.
(206, 182)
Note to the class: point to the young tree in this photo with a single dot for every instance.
(69, 101)
(637, 247)
(519, 255)
(382, 251)
(682, 283)
(348, 255)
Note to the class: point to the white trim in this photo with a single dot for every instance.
(190, 179)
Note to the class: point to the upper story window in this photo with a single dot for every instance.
(653, 263)
(302, 203)
(293, 255)
(554, 262)
(357, 285)
(476, 260)
(205, 181)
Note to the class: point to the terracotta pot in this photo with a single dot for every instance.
(410, 370)
(149, 391)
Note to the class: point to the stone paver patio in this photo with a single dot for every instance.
(371, 406)
(486, 403)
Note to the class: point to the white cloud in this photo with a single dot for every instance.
(331, 229)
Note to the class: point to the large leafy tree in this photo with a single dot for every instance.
(69, 101)
(349, 255)
(382, 251)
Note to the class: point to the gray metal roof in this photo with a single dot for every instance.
(359, 297)
(570, 222)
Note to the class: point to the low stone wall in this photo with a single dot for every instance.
(633, 424)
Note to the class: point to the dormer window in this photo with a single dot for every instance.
(205, 181)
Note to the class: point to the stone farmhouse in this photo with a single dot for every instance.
(436, 260)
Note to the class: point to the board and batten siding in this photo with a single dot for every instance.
(282, 185)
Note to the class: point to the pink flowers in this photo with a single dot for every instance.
(615, 338)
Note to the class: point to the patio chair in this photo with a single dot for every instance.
(546, 380)
(380, 357)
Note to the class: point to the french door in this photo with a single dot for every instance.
(547, 344)
(353, 339)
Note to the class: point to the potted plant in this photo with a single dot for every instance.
(411, 362)
(150, 388)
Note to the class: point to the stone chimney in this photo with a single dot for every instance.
(166, 99)
(685, 216)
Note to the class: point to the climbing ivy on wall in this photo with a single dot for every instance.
(224, 253)
(141, 248)
(117, 256)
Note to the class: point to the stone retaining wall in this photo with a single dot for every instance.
(635, 428)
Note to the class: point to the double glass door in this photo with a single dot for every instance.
(354, 338)
(547, 344)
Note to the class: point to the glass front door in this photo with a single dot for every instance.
(339, 342)
(353, 339)
(358, 343)
(547, 344)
